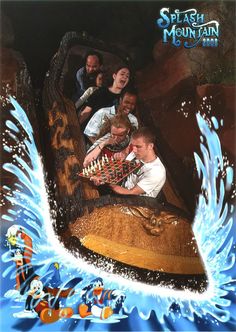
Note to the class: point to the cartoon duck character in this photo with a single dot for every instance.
(100, 302)
(45, 302)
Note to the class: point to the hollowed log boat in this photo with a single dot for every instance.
(142, 238)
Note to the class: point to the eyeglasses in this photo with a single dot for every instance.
(119, 135)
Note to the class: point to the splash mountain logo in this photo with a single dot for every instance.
(189, 25)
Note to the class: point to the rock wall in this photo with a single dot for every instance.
(16, 82)
(179, 83)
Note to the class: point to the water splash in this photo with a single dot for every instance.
(212, 228)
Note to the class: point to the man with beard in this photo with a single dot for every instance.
(85, 76)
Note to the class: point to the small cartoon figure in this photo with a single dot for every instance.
(100, 302)
(52, 277)
(17, 257)
(45, 302)
(22, 254)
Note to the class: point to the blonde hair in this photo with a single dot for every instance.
(118, 121)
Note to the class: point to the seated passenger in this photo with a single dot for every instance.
(104, 96)
(150, 178)
(85, 75)
(126, 106)
(97, 83)
(113, 143)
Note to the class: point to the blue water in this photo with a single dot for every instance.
(148, 307)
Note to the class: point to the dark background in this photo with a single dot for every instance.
(38, 27)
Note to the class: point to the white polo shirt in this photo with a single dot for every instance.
(150, 177)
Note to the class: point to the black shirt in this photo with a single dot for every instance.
(102, 97)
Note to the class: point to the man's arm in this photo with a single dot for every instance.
(79, 75)
(123, 191)
(123, 154)
(82, 99)
(85, 114)
(92, 155)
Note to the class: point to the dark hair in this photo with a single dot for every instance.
(146, 133)
(98, 55)
(117, 68)
(91, 79)
(96, 75)
(97, 72)
(130, 90)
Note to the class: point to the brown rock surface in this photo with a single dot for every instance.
(172, 89)
(15, 81)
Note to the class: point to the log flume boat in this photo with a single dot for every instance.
(141, 238)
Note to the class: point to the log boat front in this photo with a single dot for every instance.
(142, 239)
(108, 231)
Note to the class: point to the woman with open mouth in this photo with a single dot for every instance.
(106, 96)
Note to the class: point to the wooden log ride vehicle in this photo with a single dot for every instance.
(143, 239)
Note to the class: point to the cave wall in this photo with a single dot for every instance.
(172, 88)
(181, 82)
(16, 82)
